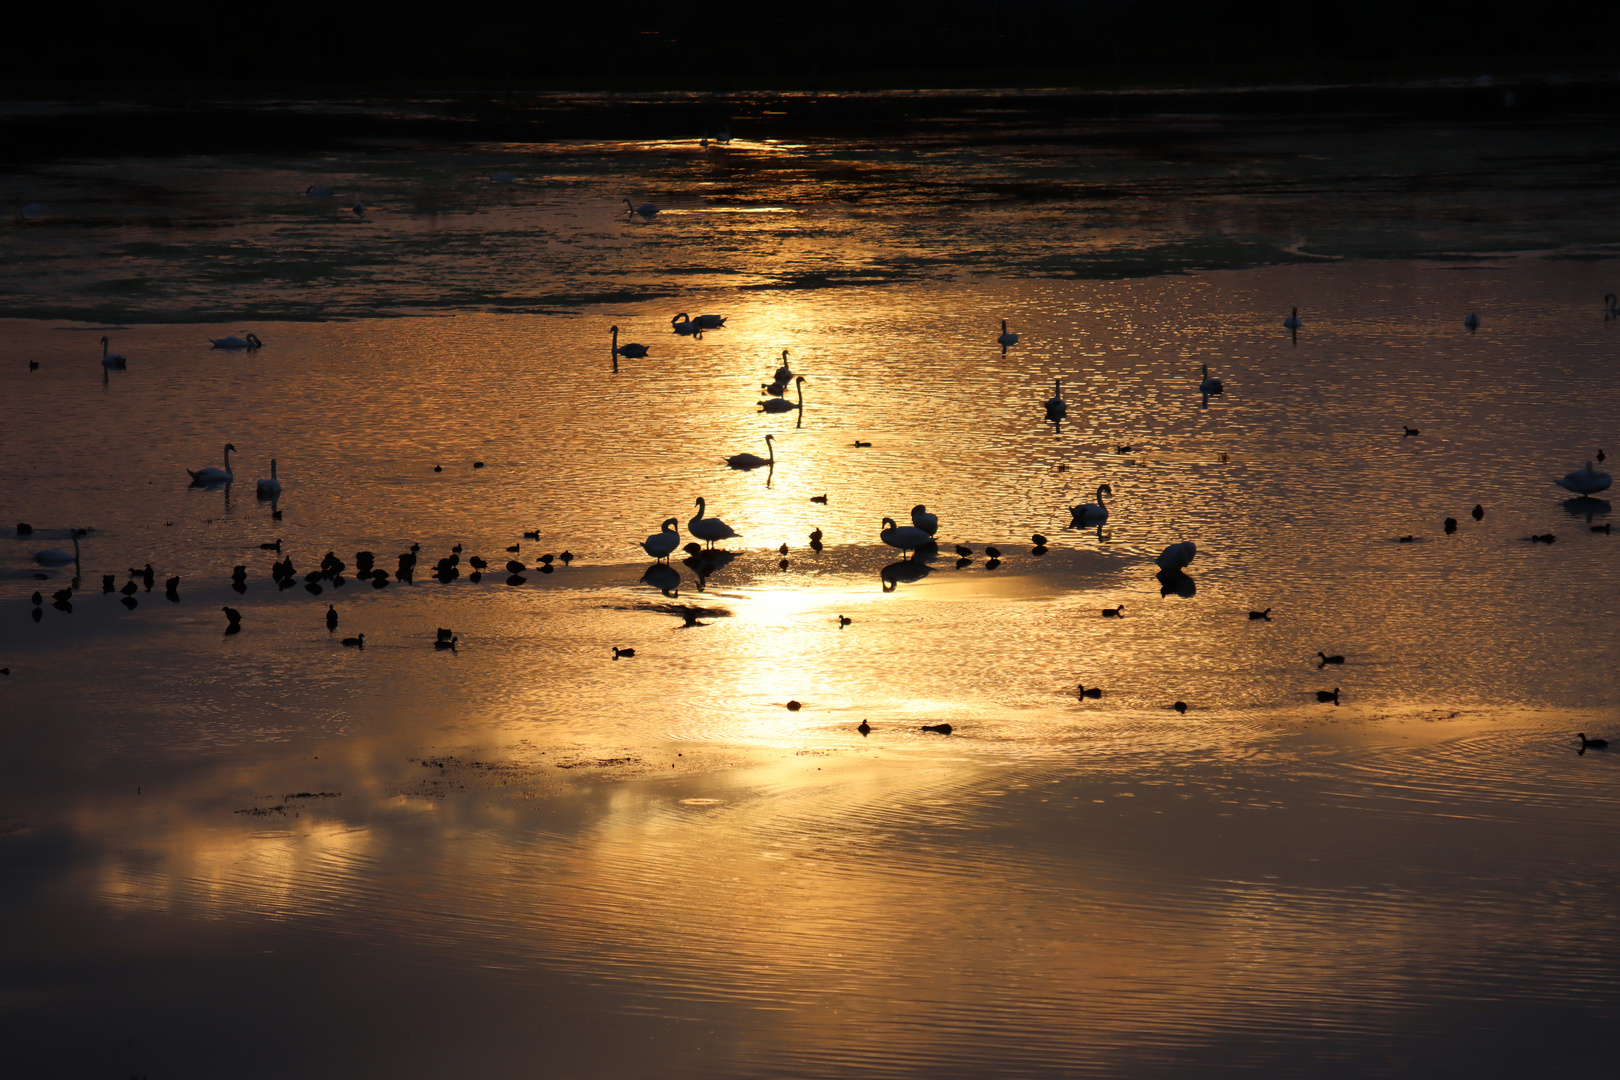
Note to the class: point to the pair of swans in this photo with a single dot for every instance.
(1092, 513)
(708, 529)
(685, 325)
(111, 361)
(1587, 481)
(246, 341)
(782, 404)
(630, 350)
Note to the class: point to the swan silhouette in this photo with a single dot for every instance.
(782, 373)
(665, 540)
(211, 475)
(1293, 321)
(708, 529)
(315, 192)
(1587, 481)
(1211, 385)
(629, 350)
(905, 537)
(646, 209)
(1006, 339)
(115, 361)
(1092, 513)
(684, 326)
(753, 461)
(922, 519)
(246, 341)
(1177, 556)
(710, 322)
(1056, 407)
(1471, 322)
(782, 404)
(58, 557)
(271, 488)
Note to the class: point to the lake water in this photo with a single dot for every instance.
(267, 855)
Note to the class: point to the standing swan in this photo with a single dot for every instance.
(905, 537)
(1211, 385)
(753, 461)
(212, 475)
(271, 488)
(922, 519)
(114, 361)
(782, 404)
(246, 341)
(1056, 407)
(664, 541)
(1092, 513)
(1006, 339)
(630, 350)
(708, 529)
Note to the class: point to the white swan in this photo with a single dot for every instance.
(1471, 321)
(753, 461)
(247, 341)
(630, 351)
(1092, 513)
(646, 209)
(684, 325)
(708, 529)
(1293, 322)
(1177, 556)
(664, 541)
(710, 322)
(212, 475)
(922, 519)
(58, 557)
(110, 360)
(904, 537)
(1056, 407)
(269, 489)
(1006, 339)
(782, 404)
(1587, 481)
(1211, 385)
(782, 373)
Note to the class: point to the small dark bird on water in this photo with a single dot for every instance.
(38, 599)
(108, 583)
(1093, 692)
(355, 642)
(822, 499)
(33, 365)
(843, 621)
(61, 595)
(794, 706)
(546, 560)
(617, 652)
(964, 551)
(1124, 448)
(815, 537)
(941, 729)
(1408, 538)
(444, 635)
(514, 548)
(232, 616)
(1266, 615)
(864, 728)
(1038, 540)
(858, 444)
(535, 535)
(783, 550)
(276, 547)
(477, 563)
(25, 529)
(1328, 695)
(446, 642)
(1180, 707)
(130, 588)
(1592, 744)
(566, 557)
(1326, 659)
(992, 553)
(172, 585)
(1114, 612)
(331, 618)
(1600, 453)
(1601, 528)
(438, 468)
(1451, 526)
(1544, 538)
(1410, 431)
(1478, 511)
(478, 464)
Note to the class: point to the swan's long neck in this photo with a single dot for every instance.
(1003, 326)
(273, 469)
(227, 459)
(701, 509)
(1100, 494)
(104, 348)
(770, 447)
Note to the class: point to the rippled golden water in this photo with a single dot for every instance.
(267, 855)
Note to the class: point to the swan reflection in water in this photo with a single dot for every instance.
(907, 570)
(666, 579)
(1177, 583)
(690, 614)
(706, 562)
(1586, 507)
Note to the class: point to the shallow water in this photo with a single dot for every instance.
(268, 855)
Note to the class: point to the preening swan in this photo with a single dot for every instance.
(271, 488)
(646, 209)
(753, 461)
(212, 475)
(1471, 321)
(1587, 481)
(782, 404)
(905, 537)
(629, 350)
(684, 325)
(1092, 513)
(246, 341)
(110, 360)
(710, 322)
(782, 373)
(1056, 407)
(1211, 385)
(708, 529)
(664, 541)
(1293, 321)
(1006, 339)
(1177, 556)
(922, 519)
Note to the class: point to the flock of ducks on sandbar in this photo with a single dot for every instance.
(918, 536)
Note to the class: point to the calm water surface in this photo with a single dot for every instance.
(266, 855)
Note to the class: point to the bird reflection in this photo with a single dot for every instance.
(1176, 582)
(690, 614)
(666, 579)
(906, 570)
(1586, 507)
